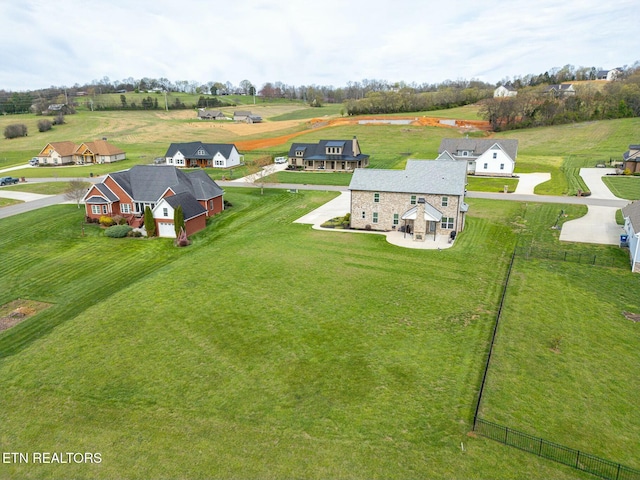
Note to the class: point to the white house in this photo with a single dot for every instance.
(491, 157)
(203, 155)
(505, 91)
(631, 214)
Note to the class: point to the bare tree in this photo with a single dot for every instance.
(75, 191)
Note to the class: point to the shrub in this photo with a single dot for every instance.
(106, 221)
(227, 204)
(44, 125)
(15, 130)
(119, 220)
(118, 231)
(134, 233)
(59, 120)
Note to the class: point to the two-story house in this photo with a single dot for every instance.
(203, 155)
(331, 155)
(483, 157)
(425, 200)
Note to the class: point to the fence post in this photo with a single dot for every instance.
(565, 256)
(506, 435)
(618, 472)
(540, 448)
(578, 459)
(594, 260)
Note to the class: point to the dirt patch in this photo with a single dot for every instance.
(634, 317)
(19, 310)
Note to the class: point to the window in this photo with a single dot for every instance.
(95, 209)
(445, 201)
(210, 204)
(465, 153)
(396, 219)
(170, 160)
(165, 212)
(376, 198)
(486, 165)
(502, 166)
(125, 207)
(201, 151)
(447, 222)
(495, 154)
(413, 199)
(104, 209)
(375, 217)
(364, 215)
(299, 153)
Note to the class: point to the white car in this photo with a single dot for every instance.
(280, 160)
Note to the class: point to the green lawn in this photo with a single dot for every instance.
(481, 184)
(265, 350)
(44, 188)
(5, 202)
(623, 186)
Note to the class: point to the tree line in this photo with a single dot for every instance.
(534, 106)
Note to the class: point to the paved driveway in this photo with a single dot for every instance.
(599, 224)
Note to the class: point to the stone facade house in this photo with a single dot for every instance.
(424, 200)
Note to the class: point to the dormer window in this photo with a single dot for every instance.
(201, 151)
(299, 153)
(334, 151)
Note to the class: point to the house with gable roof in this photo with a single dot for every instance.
(631, 159)
(161, 188)
(203, 155)
(490, 157)
(98, 151)
(505, 91)
(561, 90)
(425, 200)
(246, 116)
(204, 114)
(57, 153)
(331, 155)
(631, 215)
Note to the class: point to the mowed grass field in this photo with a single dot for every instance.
(266, 349)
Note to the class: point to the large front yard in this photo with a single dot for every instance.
(265, 350)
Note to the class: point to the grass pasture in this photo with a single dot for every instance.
(265, 350)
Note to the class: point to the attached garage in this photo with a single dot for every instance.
(165, 229)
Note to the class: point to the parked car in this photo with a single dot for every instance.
(34, 162)
(280, 160)
(8, 181)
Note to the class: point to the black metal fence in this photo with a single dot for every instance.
(575, 257)
(553, 451)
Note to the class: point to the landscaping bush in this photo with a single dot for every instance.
(15, 130)
(59, 120)
(119, 220)
(134, 233)
(44, 125)
(118, 231)
(106, 221)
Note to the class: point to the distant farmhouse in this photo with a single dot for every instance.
(483, 157)
(505, 91)
(331, 155)
(609, 75)
(631, 159)
(66, 153)
(211, 114)
(425, 200)
(561, 90)
(161, 188)
(203, 155)
(247, 117)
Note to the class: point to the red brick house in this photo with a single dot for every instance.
(162, 188)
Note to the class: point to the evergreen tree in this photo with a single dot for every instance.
(178, 220)
(149, 222)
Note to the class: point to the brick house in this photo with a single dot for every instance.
(631, 159)
(162, 188)
(426, 199)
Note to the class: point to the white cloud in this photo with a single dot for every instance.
(327, 43)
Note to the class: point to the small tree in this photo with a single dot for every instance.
(149, 222)
(15, 130)
(59, 120)
(178, 220)
(75, 191)
(44, 125)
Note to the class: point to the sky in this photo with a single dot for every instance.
(301, 42)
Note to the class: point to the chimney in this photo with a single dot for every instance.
(420, 224)
(355, 147)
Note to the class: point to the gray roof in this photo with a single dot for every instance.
(478, 146)
(440, 177)
(632, 212)
(147, 183)
(318, 151)
(190, 149)
(190, 206)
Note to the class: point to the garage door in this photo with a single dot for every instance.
(166, 229)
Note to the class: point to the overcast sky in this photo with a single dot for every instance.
(303, 42)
